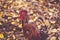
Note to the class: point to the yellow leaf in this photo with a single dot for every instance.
(46, 9)
(53, 38)
(1, 35)
(14, 36)
(20, 25)
(1, 14)
(9, 17)
(54, 30)
(35, 18)
(0, 23)
(31, 11)
(5, 6)
(47, 23)
(12, 22)
(26, 4)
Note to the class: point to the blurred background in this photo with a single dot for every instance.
(44, 13)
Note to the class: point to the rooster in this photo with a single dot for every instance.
(30, 30)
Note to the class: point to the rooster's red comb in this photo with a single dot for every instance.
(22, 13)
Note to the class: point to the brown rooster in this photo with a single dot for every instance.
(31, 32)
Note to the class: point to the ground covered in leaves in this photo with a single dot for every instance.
(44, 13)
